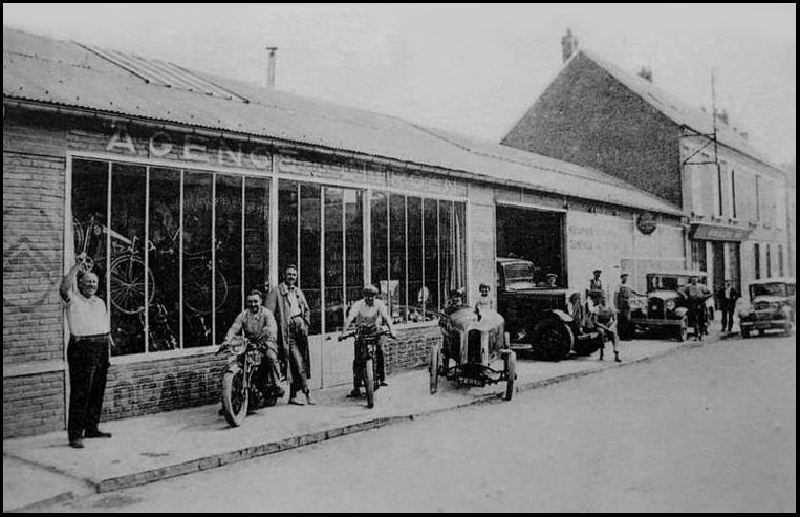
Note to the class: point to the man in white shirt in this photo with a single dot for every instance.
(87, 354)
(371, 313)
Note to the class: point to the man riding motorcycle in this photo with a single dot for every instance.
(258, 325)
(368, 312)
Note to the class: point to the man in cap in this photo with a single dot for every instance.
(368, 312)
(550, 280)
(623, 303)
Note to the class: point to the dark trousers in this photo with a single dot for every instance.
(727, 316)
(698, 313)
(360, 357)
(297, 335)
(88, 368)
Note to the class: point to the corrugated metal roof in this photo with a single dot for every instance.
(678, 111)
(64, 73)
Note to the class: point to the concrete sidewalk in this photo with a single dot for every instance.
(42, 469)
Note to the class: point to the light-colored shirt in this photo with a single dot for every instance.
(256, 326)
(363, 314)
(294, 303)
(86, 316)
(484, 303)
(698, 291)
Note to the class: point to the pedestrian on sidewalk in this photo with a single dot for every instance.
(623, 302)
(727, 297)
(87, 353)
(288, 303)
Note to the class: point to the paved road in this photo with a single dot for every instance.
(705, 429)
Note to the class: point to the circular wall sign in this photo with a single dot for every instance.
(646, 223)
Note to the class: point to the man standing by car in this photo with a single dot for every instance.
(727, 297)
(87, 354)
(288, 303)
(697, 294)
(624, 295)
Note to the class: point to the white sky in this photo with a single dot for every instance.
(468, 68)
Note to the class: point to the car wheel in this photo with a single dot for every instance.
(553, 338)
(683, 332)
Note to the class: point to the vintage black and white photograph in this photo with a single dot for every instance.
(372, 258)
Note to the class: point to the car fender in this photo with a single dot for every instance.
(561, 315)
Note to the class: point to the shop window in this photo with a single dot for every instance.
(768, 260)
(430, 291)
(416, 262)
(379, 245)
(180, 248)
(334, 258)
(396, 285)
(164, 219)
(310, 246)
(196, 259)
(354, 244)
(780, 260)
(699, 259)
(757, 260)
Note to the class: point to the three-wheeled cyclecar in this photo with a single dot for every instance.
(474, 351)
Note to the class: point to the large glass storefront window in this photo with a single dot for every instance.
(421, 257)
(175, 250)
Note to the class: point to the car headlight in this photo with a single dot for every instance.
(745, 311)
(670, 305)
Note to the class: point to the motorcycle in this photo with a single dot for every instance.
(245, 385)
(364, 364)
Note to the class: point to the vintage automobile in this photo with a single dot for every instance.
(474, 351)
(666, 309)
(538, 316)
(773, 303)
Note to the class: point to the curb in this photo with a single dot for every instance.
(302, 440)
(42, 504)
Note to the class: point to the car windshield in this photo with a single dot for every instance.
(771, 289)
(518, 276)
(669, 282)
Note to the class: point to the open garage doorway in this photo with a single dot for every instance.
(535, 235)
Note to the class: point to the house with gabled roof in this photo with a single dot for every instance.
(736, 200)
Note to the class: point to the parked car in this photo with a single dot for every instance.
(473, 352)
(666, 309)
(538, 316)
(773, 303)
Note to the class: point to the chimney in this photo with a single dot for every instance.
(271, 67)
(722, 116)
(569, 46)
(646, 74)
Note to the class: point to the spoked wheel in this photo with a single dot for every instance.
(554, 338)
(197, 289)
(369, 382)
(510, 360)
(433, 366)
(128, 276)
(234, 397)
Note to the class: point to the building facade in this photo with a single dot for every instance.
(596, 115)
(187, 191)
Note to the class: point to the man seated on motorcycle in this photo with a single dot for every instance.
(258, 325)
(368, 312)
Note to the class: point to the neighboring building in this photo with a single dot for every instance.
(228, 183)
(596, 115)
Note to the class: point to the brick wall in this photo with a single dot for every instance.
(412, 348)
(163, 384)
(33, 404)
(587, 117)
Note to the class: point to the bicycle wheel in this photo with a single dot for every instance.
(197, 289)
(127, 284)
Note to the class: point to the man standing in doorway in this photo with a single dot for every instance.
(87, 354)
(727, 297)
(288, 303)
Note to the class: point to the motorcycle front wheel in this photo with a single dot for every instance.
(234, 397)
(369, 383)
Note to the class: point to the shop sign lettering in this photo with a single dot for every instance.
(189, 148)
